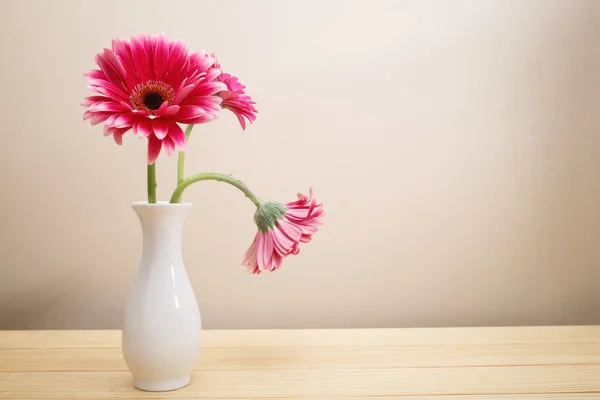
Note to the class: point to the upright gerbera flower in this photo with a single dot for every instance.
(235, 98)
(149, 85)
(281, 228)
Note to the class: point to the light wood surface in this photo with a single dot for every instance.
(421, 364)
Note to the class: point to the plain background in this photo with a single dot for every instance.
(454, 144)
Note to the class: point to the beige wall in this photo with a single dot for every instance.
(455, 145)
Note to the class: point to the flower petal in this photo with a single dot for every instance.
(160, 127)
(123, 51)
(177, 63)
(201, 120)
(140, 58)
(109, 106)
(276, 262)
(88, 101)
(241, 120)
(264, 251)
(249, 259)
(190, 112)
(95, 74)
(282, 243)
(165, 110)
(168, 145)
(182, 93)
(209, 88)
(96, 117)
(112, 67)
(161, 56)
(212, 74)
(171, 110)
(154, 146)
(142, 127)
(118, 135)
(177, 136)
(110, 121)
(124, 121)
(290, 230)
(201, 61)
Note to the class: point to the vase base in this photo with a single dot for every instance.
(161, 386)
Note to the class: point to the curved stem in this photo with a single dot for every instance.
(213, 176)
(181, 156)
(152, 183)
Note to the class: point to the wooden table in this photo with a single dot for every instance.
(548, 363)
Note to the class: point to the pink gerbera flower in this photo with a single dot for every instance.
(280, 231)
(235, 98)
(150, 84)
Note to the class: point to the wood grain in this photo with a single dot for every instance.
(530, 363)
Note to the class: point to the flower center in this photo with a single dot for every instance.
(153, 100)
(149, 96)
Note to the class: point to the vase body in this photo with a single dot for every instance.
(162, 328)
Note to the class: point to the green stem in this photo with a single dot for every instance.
(181, 156)
(213, 176)
(152, 183)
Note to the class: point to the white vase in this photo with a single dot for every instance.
(161, 332)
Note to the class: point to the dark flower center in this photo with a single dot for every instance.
(153, 100)
(150, 95)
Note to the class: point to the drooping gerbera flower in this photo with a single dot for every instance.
(149, 85)
(235, 98)
(280, 231)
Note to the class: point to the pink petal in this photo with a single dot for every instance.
(290, 230)
(212, 74)
(305, 238)
(149, 45)
(112, 67)
(154, 146)
(182, 93)
(162, 108)
(88, 101)
(142, 128)
(126, 105)
(276, 262)
(96, 118)
(190, 112)
(168, 145)
(95, 74)
(201, 120)
(108, 130)
(123, 51)
(242, 121)
(249, 259)
(118, 135)
(140, 59)
(297, 212)
(177, 136)
(171, 110)
(165, 110)
(200, 61)
(177, 62)
(160, 127)
(108, 89)
(264, 251)
(203, 101)
(296, 249)
(283, 244)
(124, 121)
(111, 120)
(161, 56)
(209, 88)
(141, 113)
(108, 106)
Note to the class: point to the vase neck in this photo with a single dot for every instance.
(162, 226)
